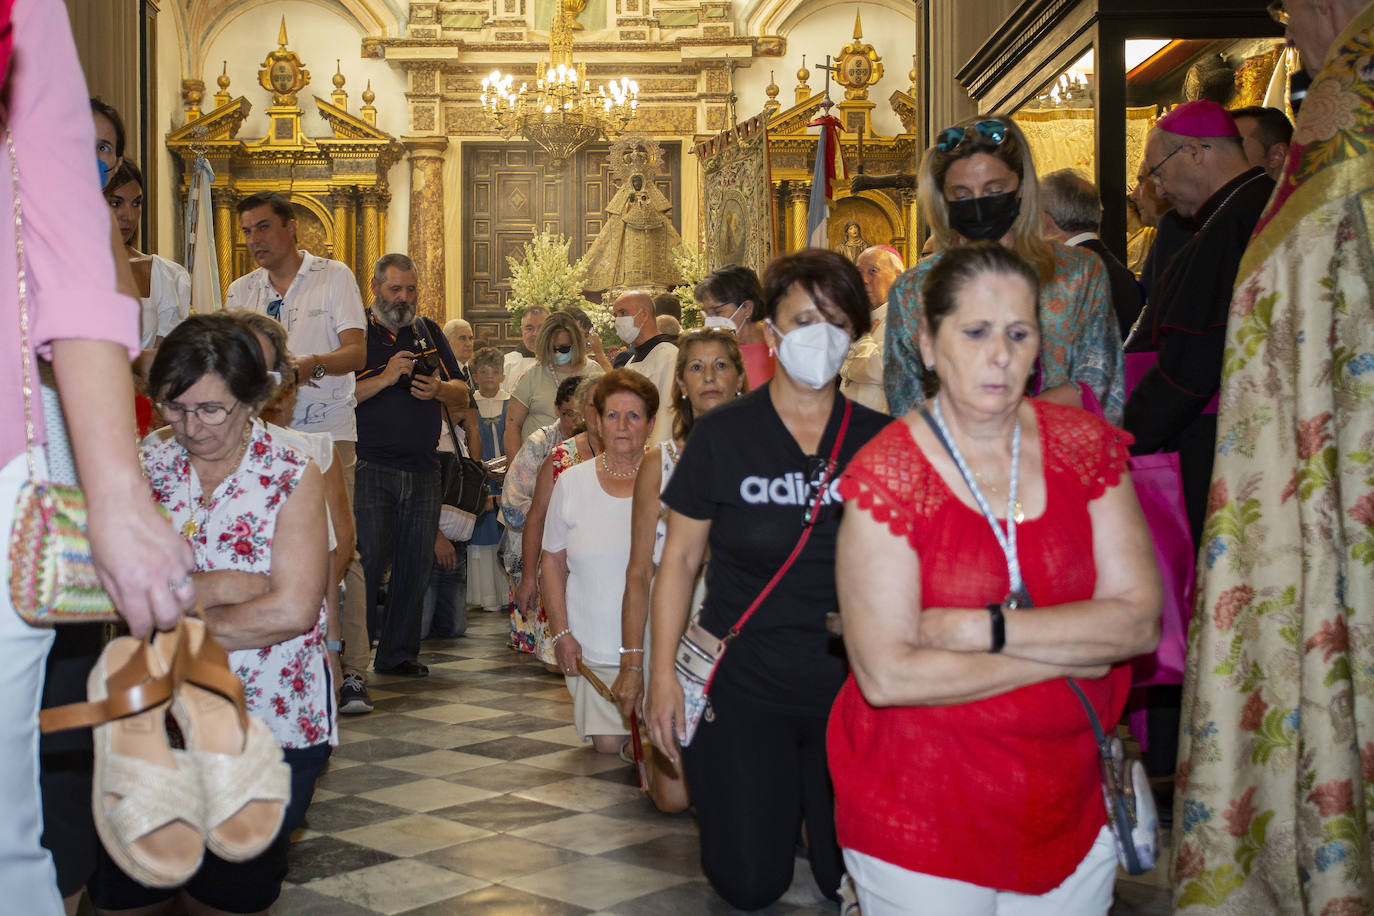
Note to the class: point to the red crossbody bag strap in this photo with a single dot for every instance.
(806, 532)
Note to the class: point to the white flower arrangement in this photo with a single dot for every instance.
(692, 266)
(545, 274)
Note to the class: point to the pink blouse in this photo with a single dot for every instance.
(70, 263)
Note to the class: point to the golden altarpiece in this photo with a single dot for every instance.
(337, 184)
(884, 215)
(684, 57)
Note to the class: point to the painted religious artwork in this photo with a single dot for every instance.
(738, 199)
(635, 245)
(853, 243)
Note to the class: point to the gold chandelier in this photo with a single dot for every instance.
(561, 114)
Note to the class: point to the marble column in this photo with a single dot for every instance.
(341, 200)
(426, 235)
(372, 240)
(226, 230)
(798, 202)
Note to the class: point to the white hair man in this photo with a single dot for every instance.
(1071, 212)
(861, 376)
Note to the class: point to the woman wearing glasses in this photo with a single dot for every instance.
(559, 354)
(729, 299)
(757, 474)
(250, 507)
(978, 182)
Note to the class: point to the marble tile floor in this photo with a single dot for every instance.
(469, 792)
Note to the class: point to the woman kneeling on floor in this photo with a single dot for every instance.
(236, 494)
(586, 549)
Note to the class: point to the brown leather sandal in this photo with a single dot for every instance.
(146, 799)
(245, 784)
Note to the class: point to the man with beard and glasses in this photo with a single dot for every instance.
(409, 378)
(317, 301)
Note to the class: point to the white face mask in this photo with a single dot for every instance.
(720, 321)
(626, 329)
(813, 354)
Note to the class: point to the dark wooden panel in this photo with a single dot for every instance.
(509, 193)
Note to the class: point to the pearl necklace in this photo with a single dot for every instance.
(606, 466)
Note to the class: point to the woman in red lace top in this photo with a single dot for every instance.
(964, 766)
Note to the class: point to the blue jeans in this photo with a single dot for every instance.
(397, 515)
(445, 611)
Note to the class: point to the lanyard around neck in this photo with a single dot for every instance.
(1005, 539)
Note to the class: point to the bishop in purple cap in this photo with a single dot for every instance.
(1194, 156)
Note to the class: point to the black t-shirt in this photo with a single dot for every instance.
(395, 428)
(742, 470)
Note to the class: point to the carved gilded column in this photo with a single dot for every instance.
(913, 225)
(224, 200)
(426, 236)
(372, 240)
(341, 200)
(798, 202)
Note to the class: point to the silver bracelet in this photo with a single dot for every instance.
(632, 668)
(557, 637)
(625, 651)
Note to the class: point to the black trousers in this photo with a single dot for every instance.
(755, 774)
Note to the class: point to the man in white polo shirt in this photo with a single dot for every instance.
(318, 303)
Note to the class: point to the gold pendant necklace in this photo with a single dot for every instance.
(191, 528)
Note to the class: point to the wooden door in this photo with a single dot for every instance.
(508, 196)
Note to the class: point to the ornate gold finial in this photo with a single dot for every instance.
(803, 91)
(338, 96)
(368, 111)
(222, 97)
(281, 73)
(192, 91)
(859, 66)
(912, 76)
(771, 90)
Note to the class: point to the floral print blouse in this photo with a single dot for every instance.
(1079, 337)
(287, 685)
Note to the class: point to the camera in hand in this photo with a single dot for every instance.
(425, 364)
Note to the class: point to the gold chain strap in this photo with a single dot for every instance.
(22, 274)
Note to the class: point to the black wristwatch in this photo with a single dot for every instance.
(999, 628)
(318, 372)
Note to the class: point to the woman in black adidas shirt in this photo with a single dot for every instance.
(744, 485)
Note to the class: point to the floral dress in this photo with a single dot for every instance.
(287, 685)
(516, 495)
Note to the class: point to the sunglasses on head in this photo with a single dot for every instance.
(992, 130)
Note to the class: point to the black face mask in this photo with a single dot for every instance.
(984, 218)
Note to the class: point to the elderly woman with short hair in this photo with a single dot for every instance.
(250, 507)
(586, 548)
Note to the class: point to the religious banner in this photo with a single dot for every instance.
(736, 187)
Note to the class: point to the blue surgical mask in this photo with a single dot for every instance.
(104, 171)
(562, 359)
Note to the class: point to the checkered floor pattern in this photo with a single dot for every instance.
(469, 792)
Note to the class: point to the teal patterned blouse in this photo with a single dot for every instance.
(1079, 339)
